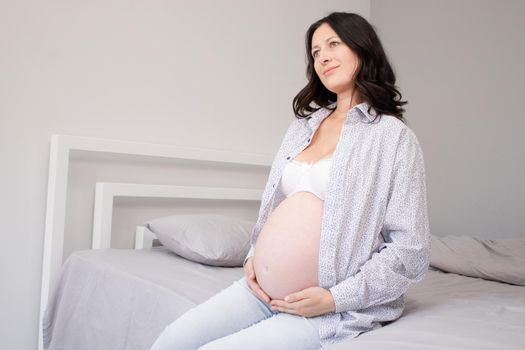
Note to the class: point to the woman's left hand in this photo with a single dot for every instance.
(309, 302)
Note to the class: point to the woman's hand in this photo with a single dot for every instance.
(309, 302)
(252, 281)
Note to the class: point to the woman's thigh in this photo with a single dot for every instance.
(232, 309)
(280, 331)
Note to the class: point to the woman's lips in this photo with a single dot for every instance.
(329, 71)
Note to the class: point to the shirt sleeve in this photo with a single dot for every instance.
(249, 255)
(404, 257)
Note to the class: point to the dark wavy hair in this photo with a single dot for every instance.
(375, 79)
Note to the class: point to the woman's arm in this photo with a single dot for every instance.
(404, 258)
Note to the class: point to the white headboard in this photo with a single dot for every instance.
(62, 145)
(106, 192)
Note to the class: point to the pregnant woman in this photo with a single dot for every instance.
(342, 231)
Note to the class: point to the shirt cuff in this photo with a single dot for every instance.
(251, 252)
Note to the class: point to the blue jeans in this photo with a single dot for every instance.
(235, 318)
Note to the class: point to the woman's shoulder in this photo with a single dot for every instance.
(297, 124)
(392, 126)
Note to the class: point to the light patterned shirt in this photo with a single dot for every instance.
(375, 239)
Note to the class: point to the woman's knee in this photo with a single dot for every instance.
(164, 341)
(177, 336)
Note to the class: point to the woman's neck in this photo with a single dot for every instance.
(345, 102)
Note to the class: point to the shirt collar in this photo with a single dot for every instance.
(362, 113)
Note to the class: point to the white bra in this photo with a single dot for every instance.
(303, 176)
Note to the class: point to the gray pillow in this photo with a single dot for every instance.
(210, 239)
(500, 260)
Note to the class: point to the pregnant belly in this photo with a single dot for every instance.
(287, 248)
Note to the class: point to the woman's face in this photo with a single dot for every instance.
(334, 62)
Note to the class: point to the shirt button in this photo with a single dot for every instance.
(273, 185)
(288, 158)
(308, 140)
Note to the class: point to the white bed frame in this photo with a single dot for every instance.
(105, 193)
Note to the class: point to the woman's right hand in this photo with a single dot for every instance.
(252, 280)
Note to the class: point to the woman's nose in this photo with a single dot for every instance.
(323, 57)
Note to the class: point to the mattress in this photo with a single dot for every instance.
(123, 299)
(450, 311)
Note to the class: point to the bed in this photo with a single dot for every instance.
(109, 298)
(122, 299)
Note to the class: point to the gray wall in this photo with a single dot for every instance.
(209, 74)
(460, 66)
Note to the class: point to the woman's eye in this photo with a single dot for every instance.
(315, 52)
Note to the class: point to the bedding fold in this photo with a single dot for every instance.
(501, 260)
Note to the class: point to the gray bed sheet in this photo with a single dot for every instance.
(450, 311)
(122, 299)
